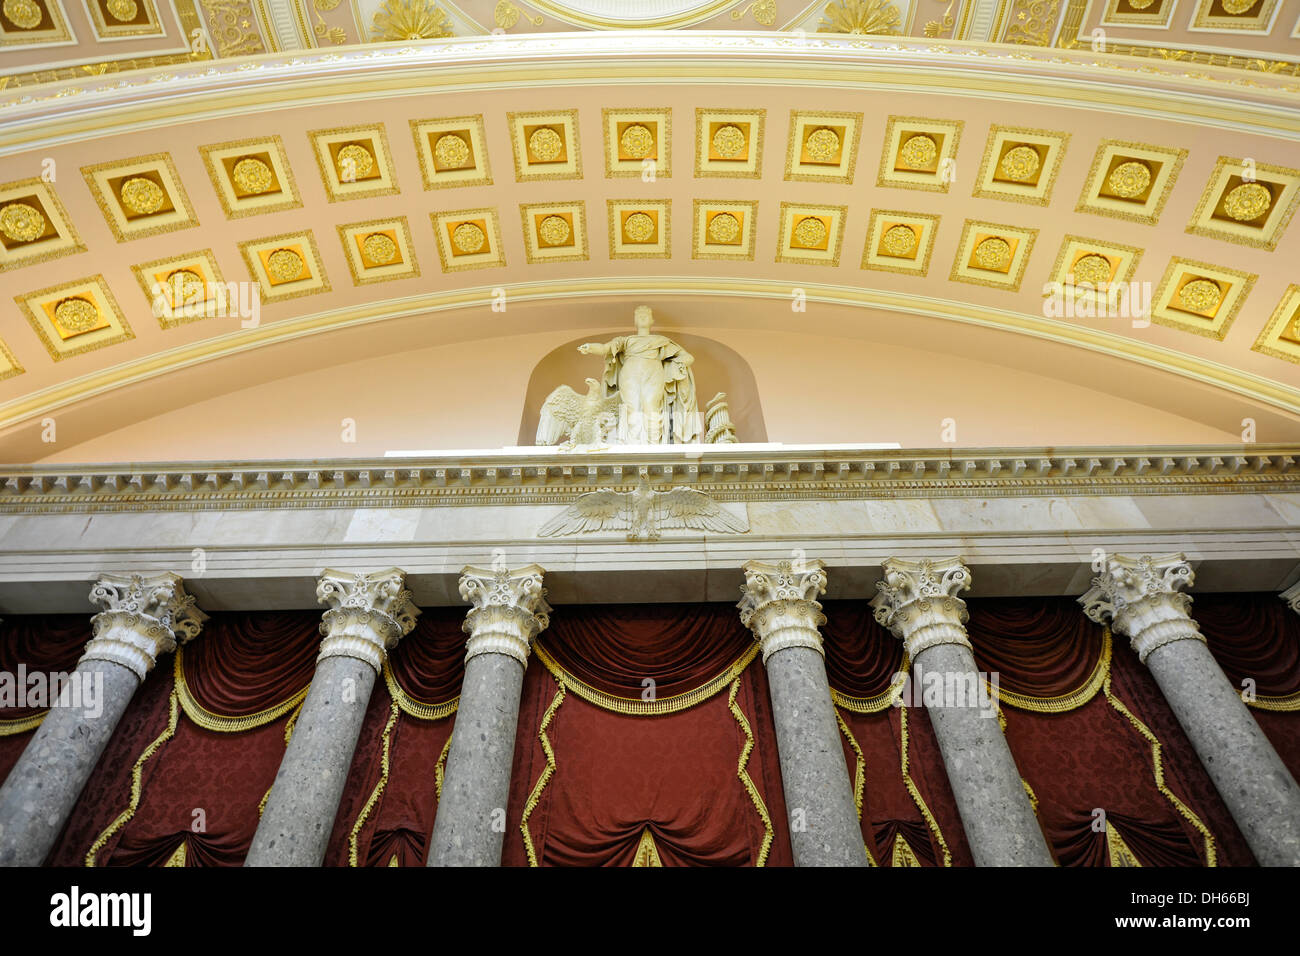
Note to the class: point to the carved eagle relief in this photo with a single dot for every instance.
(643, 513)
(572, 420)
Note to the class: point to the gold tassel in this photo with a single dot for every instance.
(743, 774)
(378, 791)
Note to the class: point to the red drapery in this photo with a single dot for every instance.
(44, 643)
(1257, 637)
(678, 775)
(201, 787)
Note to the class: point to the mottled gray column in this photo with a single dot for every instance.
(368, 615)
(918, 602)
(143, 617)
(780, 606)
(1141, 598)
(509, 611)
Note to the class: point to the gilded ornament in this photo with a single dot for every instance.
(1247, 202)
(724, 227)
(1238, 7)
(76, 314)
(1020, 164)
(1200, 295)
(918, 152)
(859, 16)
(899, 240)
(993, 253)
(637, 141)
(810, 231)
(1130, 179)
(24, 14)
(189, 284)
(357, 157)
(728, 141)
(123, 11)
(284, 264)
(400, 20)
(1093, 269)
(638, 227)
(21, 222)
(1140, 4)
(142, 196)
(554, 230)
(546, 144)
(252, 175)
(822, 144)
(451, 151)
(379, 248)
(468, 237)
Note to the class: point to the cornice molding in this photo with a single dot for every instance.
(1253, 101)
(1254, 387)
(739, 473)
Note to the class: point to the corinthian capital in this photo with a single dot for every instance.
(1142, 599)
(918, 602)
(368, 615)
(1292, 597)
(143, 617)
(779, 604)
(509, 610)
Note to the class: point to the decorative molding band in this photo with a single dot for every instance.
(753, 473)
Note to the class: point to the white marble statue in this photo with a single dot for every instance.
(651, 378)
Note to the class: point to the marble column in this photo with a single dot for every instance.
(142, 618)
(1142, 598)
(918, 602)
(368, 615)
(780, 606)
(509, 611)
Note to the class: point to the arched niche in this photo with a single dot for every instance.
(718, 368)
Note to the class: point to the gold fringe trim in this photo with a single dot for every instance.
(1033, 797)
(173, 714)
(930, 821)
(859, 779)
(1287, 704)
(1075, 698)
(743, 774)
(219, 722)
(874, 705)
(20, 725)
(1211, 856)
(547, 772)
(380, 784)
(645, 708)
(440, 768)
(417, 708)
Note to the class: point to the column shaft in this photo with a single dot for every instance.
(38, 795)
(369, 614)
(470, 827)
(918, 602)
(996, 815)
(814, 776)
(142, 617)
(1255, 785)
(1143, 599)
(509, 611)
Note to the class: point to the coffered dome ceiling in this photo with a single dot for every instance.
(946, 197)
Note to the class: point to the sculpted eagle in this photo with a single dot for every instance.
(578, 420)
(643, 513)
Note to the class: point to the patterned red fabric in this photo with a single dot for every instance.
(40, 642)
(245, 662)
